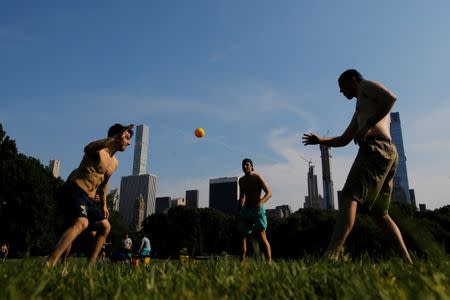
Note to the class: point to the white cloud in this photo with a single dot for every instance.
(228, 104)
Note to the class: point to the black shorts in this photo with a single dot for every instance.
(76, 204)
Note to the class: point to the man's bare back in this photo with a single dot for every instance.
(372, 95)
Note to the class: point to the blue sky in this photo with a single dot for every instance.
(254, 74)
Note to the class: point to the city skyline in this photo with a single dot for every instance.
(254, 75)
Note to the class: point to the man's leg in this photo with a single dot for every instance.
(267, 249)
(343, 226)
(389, 227)
(100, 237)
(66, 254)
(66, 239)
(243, 248)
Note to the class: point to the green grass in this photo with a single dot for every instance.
(228, 279)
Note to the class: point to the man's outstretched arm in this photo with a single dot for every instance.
(338, 141)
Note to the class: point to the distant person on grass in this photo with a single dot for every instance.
(145, 248)
(78, 192)
(4, 250)
(127, 245)
(370, 180)
(252, 215)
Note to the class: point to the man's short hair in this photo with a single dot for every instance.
(347, 74)
(116, 128)
(248, 160)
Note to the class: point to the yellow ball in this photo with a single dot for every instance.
(199, 132)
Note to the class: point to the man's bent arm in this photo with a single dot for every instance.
(345, 138)
(265, 188)
(98, 145)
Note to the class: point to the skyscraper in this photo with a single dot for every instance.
(313, 200)
(140, 150)
(140, 183)
(401, 186)
(131, 187)
(328, 190)
(162, 205)
(192, 198)
(53, 166)
(223, 194)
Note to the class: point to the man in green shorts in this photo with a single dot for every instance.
(370, 180)
(252, 215)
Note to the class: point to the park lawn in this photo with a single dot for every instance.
(227, 278)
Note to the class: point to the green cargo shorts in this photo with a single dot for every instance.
(252, 219)
(370, 180)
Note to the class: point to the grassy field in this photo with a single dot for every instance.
(227, 279)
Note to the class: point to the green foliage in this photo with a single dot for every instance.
(118, 229)
(226, 278)
(8, 147)
(201, 231)
(28, 215)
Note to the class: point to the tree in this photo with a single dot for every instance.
(28, 190)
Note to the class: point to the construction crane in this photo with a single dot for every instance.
(308, 161)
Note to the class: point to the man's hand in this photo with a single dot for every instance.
(126, 129)
(310, 139)
(105, 212)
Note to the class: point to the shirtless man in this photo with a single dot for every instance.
(370, 179)
(80, 190)
(4, 249)
(252, 215)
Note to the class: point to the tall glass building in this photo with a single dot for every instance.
(223, 194)
(401, 191)
(140, 150)
(192, 198)
(328, 189)
(140, 184)
(313, 200)
(132, 187)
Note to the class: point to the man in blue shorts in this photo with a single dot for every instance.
(252, 215)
